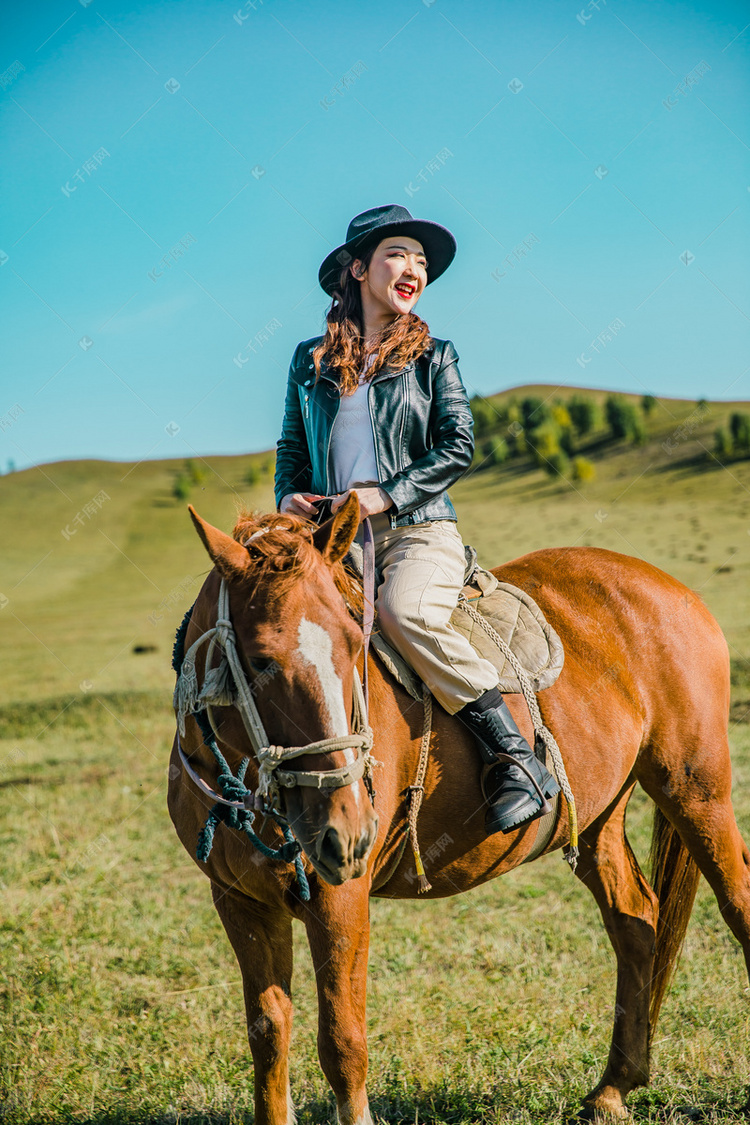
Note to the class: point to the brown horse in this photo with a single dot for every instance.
(643, 697)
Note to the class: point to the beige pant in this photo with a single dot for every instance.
(422, 568)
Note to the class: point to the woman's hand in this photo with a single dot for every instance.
(300, 504)
(372, 501)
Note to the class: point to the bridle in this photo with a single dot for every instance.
(226, 684)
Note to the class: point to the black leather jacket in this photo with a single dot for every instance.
(422, 424)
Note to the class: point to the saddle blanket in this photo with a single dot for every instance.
(511, 612)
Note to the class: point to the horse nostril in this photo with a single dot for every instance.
(330, 850)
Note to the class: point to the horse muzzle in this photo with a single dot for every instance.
(338, 856)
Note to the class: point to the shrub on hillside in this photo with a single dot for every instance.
(484, 414)
(558, 465)
(544, 442)
(181, 487)
(495, 451)
(194, 472)
(534, 412)
(584, 414)
(739, 427)
(257, 470)
(562, 420)
(648, 402)
(722, 442)
(513, 412)
(637, 431)
(516, 439)
(583, 470)
(623, 420)
(616, 415)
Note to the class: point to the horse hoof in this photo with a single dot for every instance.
(598, 1116)
(602, 1114)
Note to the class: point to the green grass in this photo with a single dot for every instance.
(120, 999)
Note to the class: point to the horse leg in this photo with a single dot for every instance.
(262, 942)
(629, 910)
(338, 931)
(696, 800)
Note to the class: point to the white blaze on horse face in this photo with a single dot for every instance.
(316, 648)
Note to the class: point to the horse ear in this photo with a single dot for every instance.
(335, 536)
(227, 555)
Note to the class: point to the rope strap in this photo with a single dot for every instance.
(571, 850)
(416, 791)
(233, 809)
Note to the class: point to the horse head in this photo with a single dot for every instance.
(291, 603)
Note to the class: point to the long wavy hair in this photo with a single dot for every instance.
(405, 338)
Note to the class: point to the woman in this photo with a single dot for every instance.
(377, 406)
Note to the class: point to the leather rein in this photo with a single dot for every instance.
(217, 690)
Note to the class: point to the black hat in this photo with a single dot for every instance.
(376, 224)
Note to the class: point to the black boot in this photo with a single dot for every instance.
(513, 798)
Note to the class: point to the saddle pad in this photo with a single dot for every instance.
(511, 612)
(519, 621)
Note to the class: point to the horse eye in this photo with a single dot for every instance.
(259, 665)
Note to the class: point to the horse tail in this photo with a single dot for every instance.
(674, 878)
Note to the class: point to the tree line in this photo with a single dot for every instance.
(554, 433)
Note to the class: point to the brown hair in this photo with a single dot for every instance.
(343, 346)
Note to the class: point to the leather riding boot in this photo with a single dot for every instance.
(513, 800)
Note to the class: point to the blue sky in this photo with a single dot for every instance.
(174, 174)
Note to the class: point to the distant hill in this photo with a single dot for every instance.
(100, 558)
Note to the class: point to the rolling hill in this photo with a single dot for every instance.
(100, 558)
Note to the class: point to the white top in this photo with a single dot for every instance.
(352, 449)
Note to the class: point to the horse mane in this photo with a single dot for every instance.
(281, 548)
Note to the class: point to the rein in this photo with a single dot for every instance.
(227, 685)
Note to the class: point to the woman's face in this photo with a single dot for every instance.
(395, 277)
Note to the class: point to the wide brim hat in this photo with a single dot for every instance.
(378, 223)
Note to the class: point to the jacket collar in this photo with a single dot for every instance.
(327, 372)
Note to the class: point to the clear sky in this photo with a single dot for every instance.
(173, 175)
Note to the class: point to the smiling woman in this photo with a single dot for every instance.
(377, 407)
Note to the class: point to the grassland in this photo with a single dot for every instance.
(119, 996)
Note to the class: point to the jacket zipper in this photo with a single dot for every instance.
(392, 516)
(328, 445)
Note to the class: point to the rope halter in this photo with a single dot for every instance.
(226, 685)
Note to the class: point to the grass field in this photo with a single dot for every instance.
(120, 999)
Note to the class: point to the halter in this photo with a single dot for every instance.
(217, 690)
